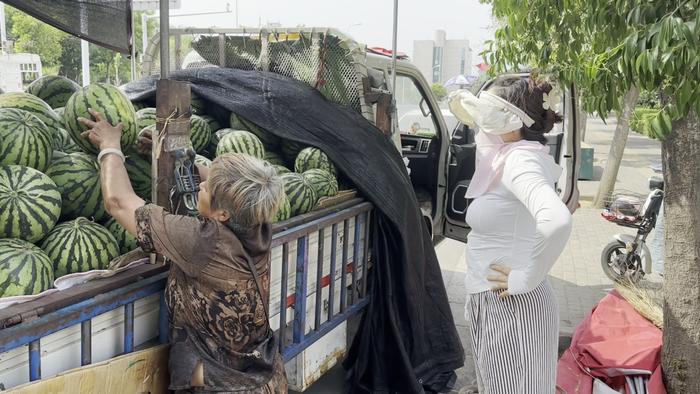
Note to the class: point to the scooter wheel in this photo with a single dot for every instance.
(612, 261)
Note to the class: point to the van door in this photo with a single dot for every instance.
(564, 145)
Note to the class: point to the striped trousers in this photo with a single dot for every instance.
(515, 341)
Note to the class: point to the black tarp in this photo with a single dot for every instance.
(104, 22)
(407, 342)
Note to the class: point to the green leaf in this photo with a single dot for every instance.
(683, 95)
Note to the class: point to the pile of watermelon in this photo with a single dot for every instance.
(53, 220)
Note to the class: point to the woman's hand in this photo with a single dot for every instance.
(144, 144)
(102, 134)
(499, 279)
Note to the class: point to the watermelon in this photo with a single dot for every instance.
(323, 182)
(199, 159)
(284, 212)
(30, 201)
(290, 149)
(145, 117)
(126, 241)
(274, 158)
(59, 112)
(77, 176)
(301, 195)
(53, 89)
(138, 105)
(281, 169)
(66, 143)
(24, 268)
(310, 158)
(240, 141)
(79, 245)
(212, 122)
(33, 104)
(57, 154)
(215, 138)
(139, 170)
(239, 123)
(200, 133)
(24, 139)
(109, 101)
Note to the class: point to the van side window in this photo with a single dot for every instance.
(412, 118)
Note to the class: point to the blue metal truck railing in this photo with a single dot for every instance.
(30, 332)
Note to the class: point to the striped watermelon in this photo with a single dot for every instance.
(240, 141)
(30, 201)
(212, 122)
(290, 149)
(215, 138)
(24, 269)
(323, 182)
(200, 133)
(126, 241)
(53, 89)
(284, 212)
(239, 123)
(281, 169)
(199, 159)
(310, 158)
(145, 117)
(79, 245)
(138, 105)
(139, 170)
(33, 104)
(302, 196)
(67, 145)
(273, 158)
(108, 100)
(24, 139)
(77, 176)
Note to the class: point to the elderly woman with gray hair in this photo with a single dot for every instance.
(519, 228)
(219, 283)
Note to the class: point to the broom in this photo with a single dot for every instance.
(645, 300)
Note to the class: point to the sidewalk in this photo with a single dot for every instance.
(576, 277)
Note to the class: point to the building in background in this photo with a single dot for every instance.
(441, 59)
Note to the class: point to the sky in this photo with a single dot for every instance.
(367, 21)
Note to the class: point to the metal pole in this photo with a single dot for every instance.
(164, 38)
(133, 47)
(394, 46)
(85, 57)
(144, 34)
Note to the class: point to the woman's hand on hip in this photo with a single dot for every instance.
(100, 133)
(499, 279)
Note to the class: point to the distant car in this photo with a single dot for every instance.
(414, 123)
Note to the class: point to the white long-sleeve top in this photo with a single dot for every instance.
(521, 223)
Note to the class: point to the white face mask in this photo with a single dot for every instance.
(490, 113)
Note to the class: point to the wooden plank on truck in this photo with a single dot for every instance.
(140, 372)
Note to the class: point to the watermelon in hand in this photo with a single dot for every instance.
(55, 90)
(30, 203)
(24, 139)
(79, 245)
(107, 100)
(24, 269)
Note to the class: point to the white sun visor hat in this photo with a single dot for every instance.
(490, 113)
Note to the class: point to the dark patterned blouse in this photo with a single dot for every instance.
(216, 312)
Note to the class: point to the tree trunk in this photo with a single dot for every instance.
(617, 148)
(681, 351)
